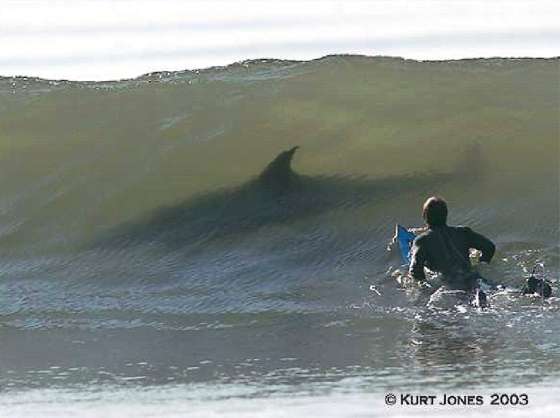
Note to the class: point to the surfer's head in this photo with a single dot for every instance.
(434, 211)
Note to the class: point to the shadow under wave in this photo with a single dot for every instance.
(278, 195)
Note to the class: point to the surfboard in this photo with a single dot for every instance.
(404, 241)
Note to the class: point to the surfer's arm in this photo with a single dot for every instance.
(418, 230)
(481, 243)
(417, 259)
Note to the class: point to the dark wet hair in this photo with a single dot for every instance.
(434, 211)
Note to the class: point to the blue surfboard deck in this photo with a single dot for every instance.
(404, 240)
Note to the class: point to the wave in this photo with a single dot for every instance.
(163, 180)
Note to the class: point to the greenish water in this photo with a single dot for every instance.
(140, 248)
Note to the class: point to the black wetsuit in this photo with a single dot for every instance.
(445, 249)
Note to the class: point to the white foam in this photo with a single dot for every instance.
(244, 401)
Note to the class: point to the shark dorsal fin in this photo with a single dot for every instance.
(278, 172)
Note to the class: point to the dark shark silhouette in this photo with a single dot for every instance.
(278, 174)
(277, 195)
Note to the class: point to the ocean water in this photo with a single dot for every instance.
(164, 253)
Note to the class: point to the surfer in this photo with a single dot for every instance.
(445, 249)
